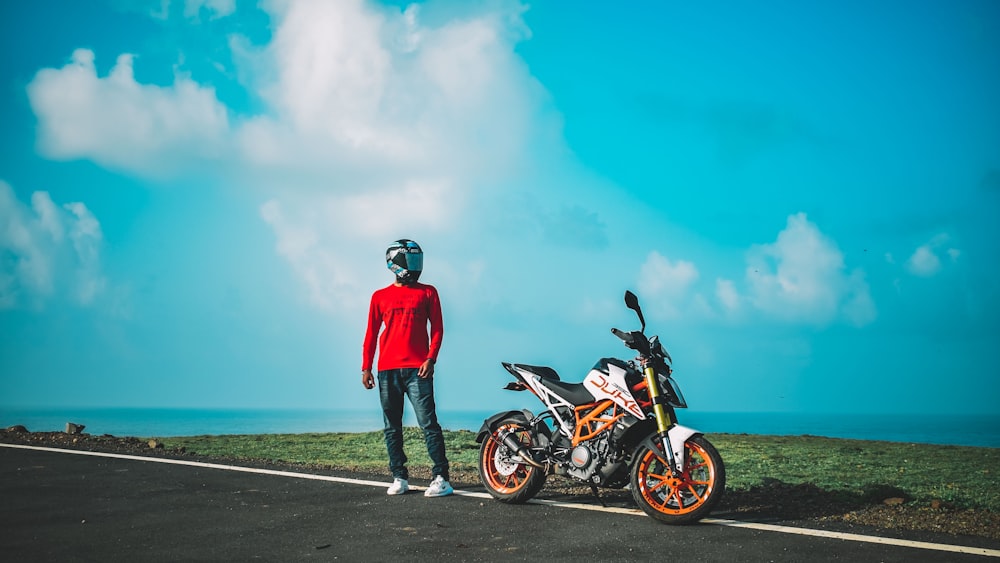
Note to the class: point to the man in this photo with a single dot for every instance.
(406, 362)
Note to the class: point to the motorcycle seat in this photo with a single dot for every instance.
(574, 393)
(542, 371)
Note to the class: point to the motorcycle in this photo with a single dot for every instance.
(617, 428)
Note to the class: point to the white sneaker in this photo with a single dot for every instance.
(439, 488)
(398, 487)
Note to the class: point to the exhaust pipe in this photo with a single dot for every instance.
(513, 445)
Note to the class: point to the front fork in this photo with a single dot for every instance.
(664, 419)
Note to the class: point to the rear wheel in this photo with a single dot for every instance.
(684, 498)
(502, 471)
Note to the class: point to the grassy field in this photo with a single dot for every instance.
(966, 477)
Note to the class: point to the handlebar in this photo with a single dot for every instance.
(634, 340)
(637, 341)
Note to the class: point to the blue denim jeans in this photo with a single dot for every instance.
(393, 384)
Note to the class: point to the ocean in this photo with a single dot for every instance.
(963, 430)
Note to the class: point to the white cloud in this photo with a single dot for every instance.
(369, 81)
(857, 306)
(925, 262)
(41, 261)
(659, 276)
(801, 278)
(309, 235)
(85, 233)
(353, 88)
(374, 123)
(389, 128)
(322, 235)
(298, 243)
(728, 296)
(331, 70)
(122, 124)
(362, 93)
(666, 282)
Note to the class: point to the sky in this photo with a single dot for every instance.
(196, 197)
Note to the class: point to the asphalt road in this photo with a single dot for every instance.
(57, 506)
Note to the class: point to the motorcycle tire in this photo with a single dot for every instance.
(505, 477)
(682, 499)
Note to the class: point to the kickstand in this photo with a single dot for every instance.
(593, 489)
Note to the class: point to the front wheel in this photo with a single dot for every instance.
(684, 498)
(502, 471)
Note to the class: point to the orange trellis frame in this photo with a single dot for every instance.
(594, 418)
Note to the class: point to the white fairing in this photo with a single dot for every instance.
(678, 435)
(613, 386)
(537, 383)
(552, 401)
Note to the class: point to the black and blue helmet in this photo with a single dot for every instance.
(405, 258)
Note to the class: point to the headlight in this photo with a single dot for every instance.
(674, 396)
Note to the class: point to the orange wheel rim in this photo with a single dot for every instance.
(505, 476)
(677, 494)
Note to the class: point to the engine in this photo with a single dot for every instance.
(594, 461)
(587, 458)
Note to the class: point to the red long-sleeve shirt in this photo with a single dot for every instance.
(406, 312)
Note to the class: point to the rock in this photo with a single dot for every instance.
(893, 501)
(154, 443)
(74, 428)
(18, 428)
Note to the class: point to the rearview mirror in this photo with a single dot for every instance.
(632, 302)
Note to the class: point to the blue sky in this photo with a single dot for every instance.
(195, 197)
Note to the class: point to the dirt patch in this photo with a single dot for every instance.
(772, 501)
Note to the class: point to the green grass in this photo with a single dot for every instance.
(362, 451)
(966, 477)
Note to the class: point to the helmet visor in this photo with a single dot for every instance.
(414, 260)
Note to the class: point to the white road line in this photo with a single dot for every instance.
(855, 537)
(561, 504)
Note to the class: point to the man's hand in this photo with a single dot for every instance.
(367, 379)
(426, 369)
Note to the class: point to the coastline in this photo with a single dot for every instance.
(959, 430)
